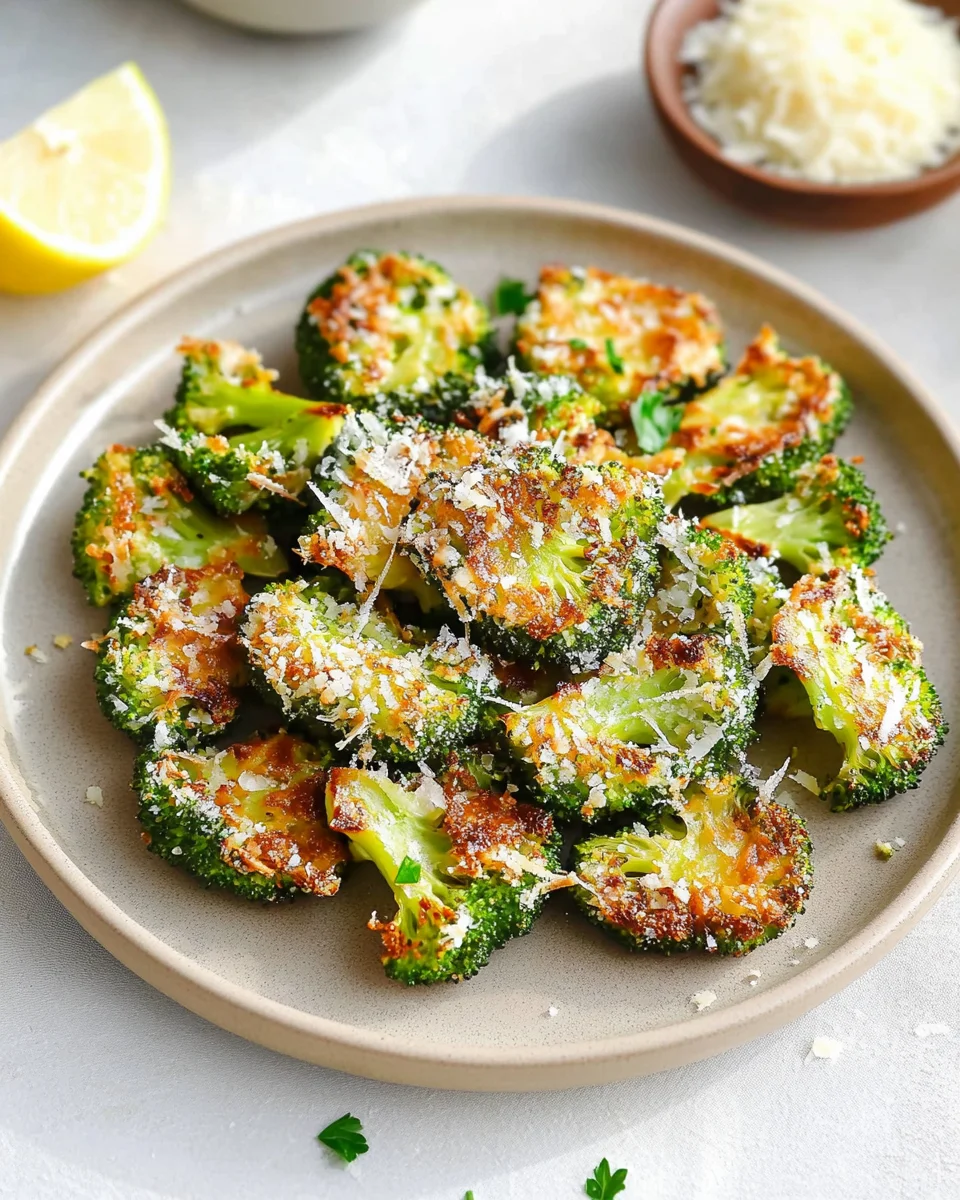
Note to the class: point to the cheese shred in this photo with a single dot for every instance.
(833, 91)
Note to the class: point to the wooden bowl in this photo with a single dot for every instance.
(835, 206)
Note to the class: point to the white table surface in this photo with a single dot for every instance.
(108, 1089)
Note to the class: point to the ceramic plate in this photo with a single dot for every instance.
(305, 978)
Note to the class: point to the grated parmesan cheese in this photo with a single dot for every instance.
(837, 93)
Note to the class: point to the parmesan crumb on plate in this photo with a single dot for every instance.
(811, 943)
(33, 651)
(702, 1000)
(94, 795)
(825, 1047)
(752, 977)
(62, 640)
(552, 1010)
(933, 1029)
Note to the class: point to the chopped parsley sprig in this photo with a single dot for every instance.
(653, 421)
(511, 296)
(344, 1137)
(603, 1185)
(408, 871)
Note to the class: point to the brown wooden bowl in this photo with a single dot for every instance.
(834, 206)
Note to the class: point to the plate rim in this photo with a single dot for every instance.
(388, 1057)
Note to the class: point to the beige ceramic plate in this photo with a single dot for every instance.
(305, 978)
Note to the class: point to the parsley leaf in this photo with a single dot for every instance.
(578, 344)
(603, 1185)
(468, 1196)
(511, 296)
(654, 421)
(344, 1137)
(613, 358)
(408, 871)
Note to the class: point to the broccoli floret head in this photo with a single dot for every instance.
(553, 562)
(619, 337)
(365, 488)
(706, 582)
(250, 819)
(169, 667)
(521, 406)
(393, 328)
(353, 675)
(629, 740)
(241, 443)
(829, 518)
(745, 439)
(468, 865)
(860, 666)
(138, 515)
(736, 878)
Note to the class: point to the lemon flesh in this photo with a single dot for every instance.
(85, 186)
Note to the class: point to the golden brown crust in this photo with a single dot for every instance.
(810, 393)
(664, 336)
(290, 835)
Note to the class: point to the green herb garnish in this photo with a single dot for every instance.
(654, 421)
(408, 871)
(603, 1185)
(344, 1137)
(613, 358)
(511, 296)
(578, 344)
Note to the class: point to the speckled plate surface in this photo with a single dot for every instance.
(305, 978)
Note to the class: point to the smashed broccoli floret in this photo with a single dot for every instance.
(549, 561)
(139, 515)
(521, 406)
(705, 582)
(353, 675)
(860, 666)
(745, 439)
(365, 488)
(241, 443)
(737, 877)
(250, 818)
(829, 518)
(393, 329)
(619, 337)
(630, 739)
(468, 865)
(169, 667)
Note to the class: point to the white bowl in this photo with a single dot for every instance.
(303, 16)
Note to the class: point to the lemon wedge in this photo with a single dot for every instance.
(85, 186)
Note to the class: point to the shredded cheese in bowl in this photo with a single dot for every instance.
(833, 91)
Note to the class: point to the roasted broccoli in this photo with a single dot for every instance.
(522, 406)
(829, 518)
(746, 438)
(239, 442)
(630, 739)
(860, 666)
(139, 515)
(705, 583)
(168, 668)
(366, 487)
(736, 879)
(552, 561)
(250, 818)
(467, 864)
(619, 337)
(395, 329)
(351, 673)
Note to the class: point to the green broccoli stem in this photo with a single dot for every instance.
(305, 435)
(639, 855)
(786, 528)
(189, 534)
(639, 710)
(216, 404)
